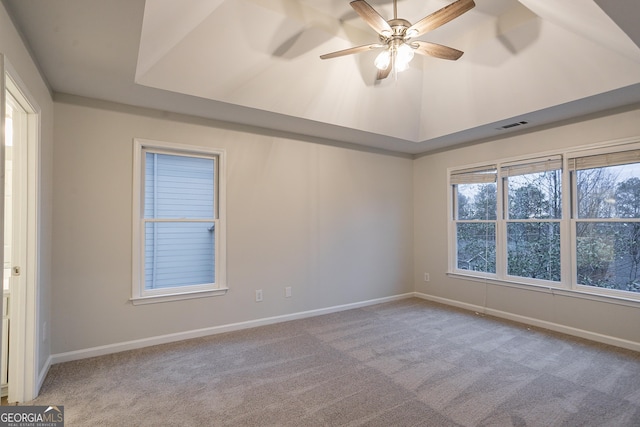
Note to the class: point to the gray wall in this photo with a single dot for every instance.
(333, 223)
(573, 314)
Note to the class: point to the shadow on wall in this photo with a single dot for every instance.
(305, 32)
(514, 31)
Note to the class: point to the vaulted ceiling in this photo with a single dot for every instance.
(256, 63)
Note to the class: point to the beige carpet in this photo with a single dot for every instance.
(406, 363)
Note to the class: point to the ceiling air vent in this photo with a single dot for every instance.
(512, 125)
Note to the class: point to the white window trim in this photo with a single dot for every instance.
(141, 296)
(482, 169)
(567, 285)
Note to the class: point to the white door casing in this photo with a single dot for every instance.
(23, 345)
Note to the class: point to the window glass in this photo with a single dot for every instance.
(476, 246)
(534, 250)
(179, 254)
(535, 195)
(534, 192)
(476, 201)
(608, 255)
(609, 192)
(178, 186)
(475, 193)
(608, 224)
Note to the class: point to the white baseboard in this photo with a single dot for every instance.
(593, 336)
(43, 374)
(197, 333)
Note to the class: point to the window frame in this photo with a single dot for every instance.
(504, 219)
(140, 295)
(487, 169)
(568, 243)
(575, 219)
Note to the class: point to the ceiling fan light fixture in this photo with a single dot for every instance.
(404, 55)
(383, 59)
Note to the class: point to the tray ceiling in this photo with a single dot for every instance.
(256, 62)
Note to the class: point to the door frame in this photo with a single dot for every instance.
(24, 320)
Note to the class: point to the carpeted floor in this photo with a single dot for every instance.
(405, 363)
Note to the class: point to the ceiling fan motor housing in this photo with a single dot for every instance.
(399, 28)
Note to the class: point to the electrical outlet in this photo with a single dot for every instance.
(287, 292)
(259, 295)
(426, 277)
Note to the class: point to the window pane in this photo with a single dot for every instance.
(476, 246)
(178, 187)
(535, 195)
(609, 192)
(533, 250)
(476, 201)
(179, 254)
(608, 255)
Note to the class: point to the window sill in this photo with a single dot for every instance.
(177, 296)
(554, 290)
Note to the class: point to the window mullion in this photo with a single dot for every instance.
(501, 231)
(571, 216)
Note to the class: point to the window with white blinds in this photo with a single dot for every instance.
(532, 218)
(606, 221)
(179, 233)
(568, 220)
(474, 219)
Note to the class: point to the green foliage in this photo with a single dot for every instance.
(477, 247)
(534, 250)
(608, 253)
(476, 242)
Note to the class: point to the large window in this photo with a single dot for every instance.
(178, 240)
(474, 194)
(607, 220)
(569, 220)
(533, 199)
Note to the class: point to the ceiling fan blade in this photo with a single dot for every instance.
(437, 50)
(383, 74)
(440, 17)
(371, 17)
(351, 51)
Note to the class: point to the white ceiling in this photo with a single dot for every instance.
(256, 62)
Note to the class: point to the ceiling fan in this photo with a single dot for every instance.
(396, 36)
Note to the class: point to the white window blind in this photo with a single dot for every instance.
(533, 166)
(482, 175)
(604, 160)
